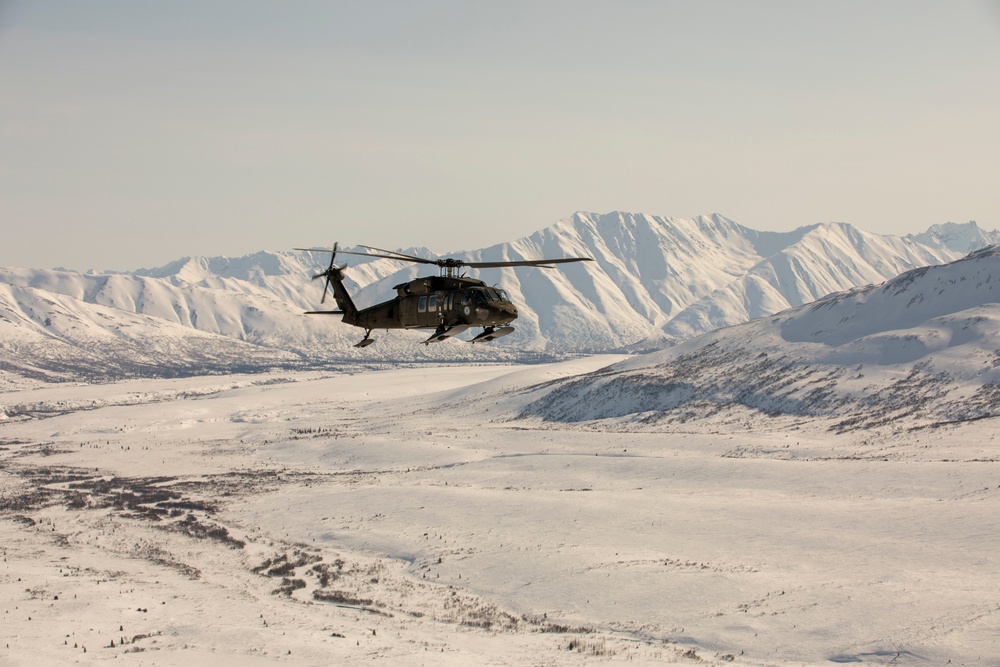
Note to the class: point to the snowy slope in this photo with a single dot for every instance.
(827, 258)
(924, 347)
(50, 336)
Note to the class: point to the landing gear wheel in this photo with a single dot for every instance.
(367, 340)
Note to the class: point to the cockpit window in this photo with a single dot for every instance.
(485, 295)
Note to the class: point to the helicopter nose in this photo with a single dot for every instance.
(507, 312)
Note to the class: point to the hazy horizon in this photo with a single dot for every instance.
(132, 134)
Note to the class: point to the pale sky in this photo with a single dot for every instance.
(135, 133)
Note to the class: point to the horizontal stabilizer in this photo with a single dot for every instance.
(324, 312)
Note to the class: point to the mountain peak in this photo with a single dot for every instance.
(960, 237)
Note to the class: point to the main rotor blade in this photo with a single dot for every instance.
(448, 261)
(540, 263)
(401, 255)
(401, 258)
(386, 254)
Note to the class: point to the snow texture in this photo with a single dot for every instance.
(408, 517)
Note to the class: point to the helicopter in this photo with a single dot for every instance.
(447, 303)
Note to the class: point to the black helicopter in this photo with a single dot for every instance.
(448, 303)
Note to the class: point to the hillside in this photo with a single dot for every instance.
(49, 336)
(920, 349)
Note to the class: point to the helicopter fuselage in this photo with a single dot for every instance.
(438, 301)
(449, 303)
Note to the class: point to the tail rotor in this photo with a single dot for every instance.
(334, 284)
(329, 272)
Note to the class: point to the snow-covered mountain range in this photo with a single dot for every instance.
(922, 349)
(656, 281)
(960, 238)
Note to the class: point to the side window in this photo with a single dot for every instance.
(422, 304)
(432, 303)
(466, 298)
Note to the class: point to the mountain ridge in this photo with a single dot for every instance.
(655, 281)
(963, 238)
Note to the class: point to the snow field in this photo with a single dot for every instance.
(465, 535)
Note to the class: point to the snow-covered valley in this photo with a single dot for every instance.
(817, 486)
(409, 517)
